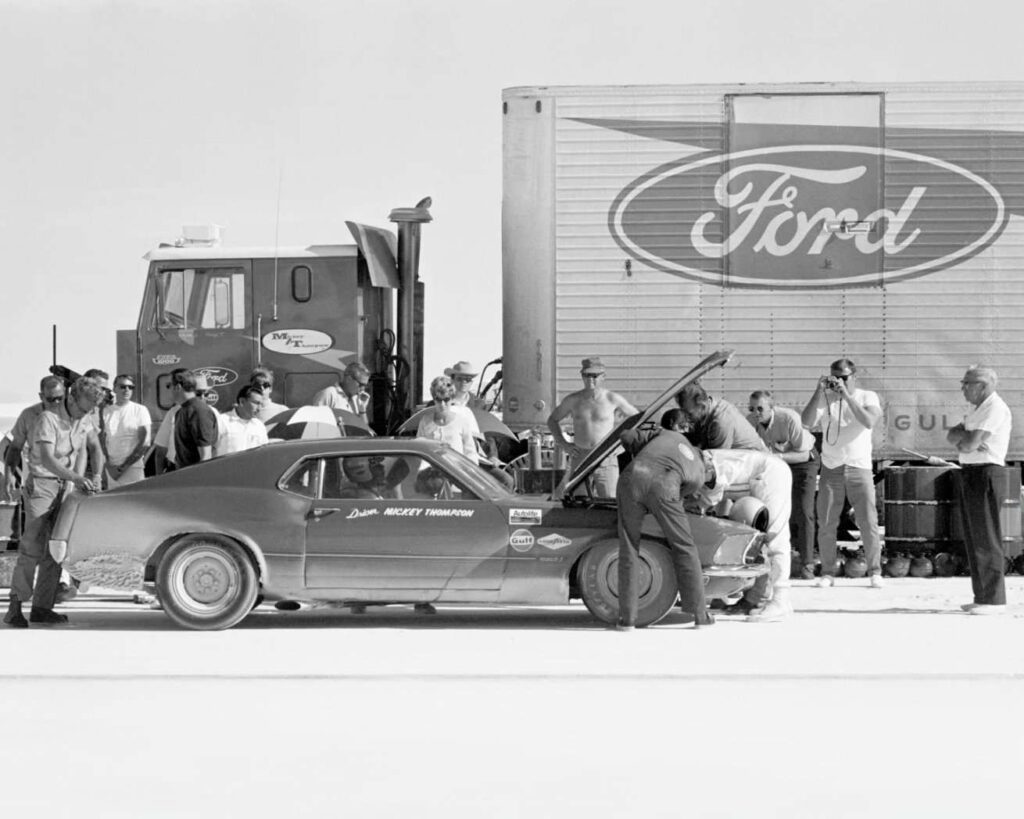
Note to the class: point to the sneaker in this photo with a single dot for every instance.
(424, 608)
(706, 619)
(807, 572)
(623, 627)
(877, 582)
(986, 609)
(825, 581)
(14, 618)
(46, 617)
(968, 606)
(775, 611)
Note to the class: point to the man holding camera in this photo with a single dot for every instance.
(845, 415)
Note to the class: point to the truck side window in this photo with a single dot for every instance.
(224, 305)
(302, 283)
(174, 291)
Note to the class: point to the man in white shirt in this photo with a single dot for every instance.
(239, 428)
(982, 440)
(349, 393)
(126, 425)
(263, 379)
(845, 415)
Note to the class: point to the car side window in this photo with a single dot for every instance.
(303, 481)
(365, 477)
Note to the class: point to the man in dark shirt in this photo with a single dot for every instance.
(715, 423)
(195, 426)
(664, 469)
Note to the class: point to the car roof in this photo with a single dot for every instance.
(607, 444)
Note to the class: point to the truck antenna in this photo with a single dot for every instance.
(54, 345)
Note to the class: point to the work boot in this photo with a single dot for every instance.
(778, 608)
(14, 618)
(47, 617)
(66, 592)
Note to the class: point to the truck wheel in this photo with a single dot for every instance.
(656, 582)
(206, 582)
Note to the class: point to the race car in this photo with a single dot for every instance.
(360, 521)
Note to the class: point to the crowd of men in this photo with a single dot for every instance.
(804, 467)
(85, 434)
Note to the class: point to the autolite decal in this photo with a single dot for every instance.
(521, 540)
(821, 214)
(166, 359)
(525, 517)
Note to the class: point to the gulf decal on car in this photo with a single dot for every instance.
(521, 540)
(525, 517)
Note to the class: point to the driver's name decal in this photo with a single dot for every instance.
(410, 512)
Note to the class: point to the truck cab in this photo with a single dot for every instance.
(304, 312)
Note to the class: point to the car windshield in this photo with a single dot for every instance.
(478, 477)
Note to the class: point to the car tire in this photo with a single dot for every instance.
(598, 578)
(206, 582)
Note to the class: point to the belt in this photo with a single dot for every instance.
(48, 478)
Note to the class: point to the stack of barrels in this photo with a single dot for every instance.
(922, 516)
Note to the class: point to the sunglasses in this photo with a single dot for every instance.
(53, 399)
(462, 377)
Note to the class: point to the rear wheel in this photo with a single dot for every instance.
(656, 582)
(206, 582)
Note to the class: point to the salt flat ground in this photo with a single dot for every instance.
(867, 702)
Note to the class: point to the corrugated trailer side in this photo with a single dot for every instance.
(914, 268)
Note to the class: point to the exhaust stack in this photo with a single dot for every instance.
(410, 300)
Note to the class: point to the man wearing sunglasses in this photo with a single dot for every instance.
(845, 416)
(349, 393)
(56, 459)
(51, 392)
(127, 425)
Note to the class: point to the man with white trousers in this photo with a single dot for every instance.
(738, 472)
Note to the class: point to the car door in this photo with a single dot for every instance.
(398, 521)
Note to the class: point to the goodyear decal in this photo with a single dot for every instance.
(524, 517)
(166, 359)
(521, 540)
(554, 541)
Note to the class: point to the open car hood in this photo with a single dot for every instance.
(611, 440)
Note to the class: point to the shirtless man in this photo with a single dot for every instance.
(593, 411)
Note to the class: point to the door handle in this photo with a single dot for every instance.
(320, 512)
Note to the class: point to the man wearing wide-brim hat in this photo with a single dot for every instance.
(463, 374)
(594, 411)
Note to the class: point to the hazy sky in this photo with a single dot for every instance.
(123, 121)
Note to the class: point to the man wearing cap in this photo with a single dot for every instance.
(195, 425)
(594, 411)
(349, 393)
(982, 439)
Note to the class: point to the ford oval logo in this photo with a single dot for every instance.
(297, 342)
(216, 376)
(803, 216)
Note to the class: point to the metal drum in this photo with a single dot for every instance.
(1008, 490)
(919, 504)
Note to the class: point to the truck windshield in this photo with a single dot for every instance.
(209, 298)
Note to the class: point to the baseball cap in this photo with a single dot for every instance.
(592, 366)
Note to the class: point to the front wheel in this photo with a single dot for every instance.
(656, 582)
(206, 582)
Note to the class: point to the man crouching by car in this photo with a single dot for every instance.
(56, 449)
(665, 467)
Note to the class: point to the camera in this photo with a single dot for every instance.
(833, 381)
